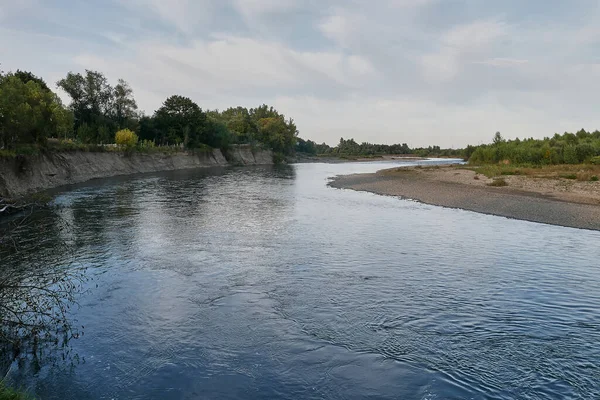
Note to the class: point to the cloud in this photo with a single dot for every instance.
(503, 62)
(184, 16)
(458, 45)
(416, 71)
(254, 8)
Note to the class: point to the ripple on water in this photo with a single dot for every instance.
(264, 283)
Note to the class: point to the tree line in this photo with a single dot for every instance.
(31, 113)
(568, 148)
(350, 148)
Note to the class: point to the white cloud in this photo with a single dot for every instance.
(457, 45)
(474, 35)
(401, 70)
(253, 8)
(337, 28)
(502, 62)
(184, 15)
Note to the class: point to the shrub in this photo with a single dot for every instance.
(147, 144)
(570, 155)
(126, 138)
(498, 182)
(594, 178)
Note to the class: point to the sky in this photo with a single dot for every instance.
(422, 72)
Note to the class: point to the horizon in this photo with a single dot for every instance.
(421, 72)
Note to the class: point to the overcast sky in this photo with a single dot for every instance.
(446, 72)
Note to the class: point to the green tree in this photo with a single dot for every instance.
(94, 101)
(498, 138)
(29, 113)
(124, 106)
(26, 76)
(180, 120)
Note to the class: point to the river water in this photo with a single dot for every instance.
(262, 282)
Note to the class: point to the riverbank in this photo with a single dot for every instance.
(561, 202)
(25, 175)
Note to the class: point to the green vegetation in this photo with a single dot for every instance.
(573, 156)
(33, 119)
(7, 393)
(580, 172)
(350, 149)
(568, 148)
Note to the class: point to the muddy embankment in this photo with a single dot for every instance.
(24, 175)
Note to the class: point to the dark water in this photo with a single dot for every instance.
(264, 283)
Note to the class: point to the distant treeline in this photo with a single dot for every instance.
(31, 113)
(351, 148)
(568, 148)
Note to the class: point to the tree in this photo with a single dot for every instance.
(26, 76)
(498, 138)
(74, 86)
(306, 147)
(180, 120)
(124, 107)
(93, 100)
(29, 113)
(239, 121)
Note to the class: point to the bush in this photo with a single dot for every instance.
(594, 178)
(126, 138)
(498, 182)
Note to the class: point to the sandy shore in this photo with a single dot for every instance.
(551, 201)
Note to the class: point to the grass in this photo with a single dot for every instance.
(7, 393)
(569, 176)
(580, 172)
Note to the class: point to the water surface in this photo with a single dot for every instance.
(265, 283)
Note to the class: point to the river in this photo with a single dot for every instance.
(262, 282)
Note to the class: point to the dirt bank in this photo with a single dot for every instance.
(25, 175)
(556, 202)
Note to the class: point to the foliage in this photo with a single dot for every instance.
(26, 76)
(99, 109)
(126, 138)
(306, 147)
(568, 148)
(349, 148)
(29, 113)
